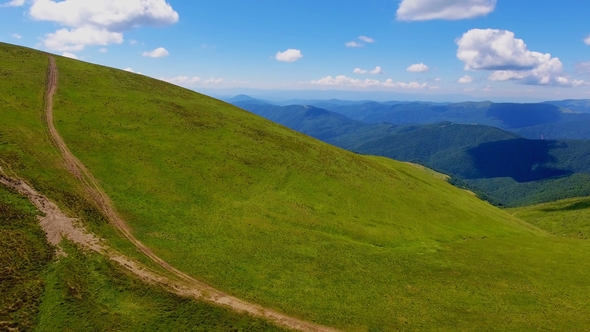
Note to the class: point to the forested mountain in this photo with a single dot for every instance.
(575, 105)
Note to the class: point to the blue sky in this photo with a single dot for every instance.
(427, 49)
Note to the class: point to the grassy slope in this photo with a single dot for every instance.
(568, 217)
(84, 292)
(356, 242)
(26, 278)
(24, 255)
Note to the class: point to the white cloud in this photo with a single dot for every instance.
(77, 39)
(418, 68)
(98, 22)
(17, 36)
(13, 3)
(587, 40)
(183, 80)
(438, 79)
(468, 89)
(366, 39)
(290, 55)
(103, 50)
(214, 81)
(423, 10)
(353, 44)
(159, 52)
(345, 81)
(412, 85)
(342, 80)
(131, 70)
(487, 88)
(375, 71)
(465, 79)
(133, 42)
(188, 81)
(509, 59)
(70, 55)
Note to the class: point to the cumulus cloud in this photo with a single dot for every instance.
(103, 50)
(366, 39)
(76, 39)
(465, 79)
(159, 52)
(587, 40)
(438, 79)
(192, 81)
(290, 55)
(510, 59)
(353, 44)
(98, 22)
(423, 10)
(13, 3)
(131, 70)
(375, 71)
(70, 55)
(402, 85)
(183, 80)
(344, 81)
(214, 81)
(17, 36)
(418, 68)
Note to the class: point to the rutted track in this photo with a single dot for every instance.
(187, 286)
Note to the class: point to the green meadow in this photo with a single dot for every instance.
(566, 218)
(270, 215)
(85, 292)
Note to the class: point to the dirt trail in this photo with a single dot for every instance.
(57, 224)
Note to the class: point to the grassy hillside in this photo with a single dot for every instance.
(568, 217)
(84, 292)
(359, 243)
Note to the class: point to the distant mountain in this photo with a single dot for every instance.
(246, 99)
(313, 121)
(575, 105)
(562, 130)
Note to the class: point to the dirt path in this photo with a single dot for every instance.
(57, 224)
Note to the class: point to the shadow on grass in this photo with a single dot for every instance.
(581, 205)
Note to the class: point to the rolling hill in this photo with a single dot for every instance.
(275, 217)
(567, 218)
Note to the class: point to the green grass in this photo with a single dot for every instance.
(85, 292)
(270, 215)
(567, 218)
(24, 255)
